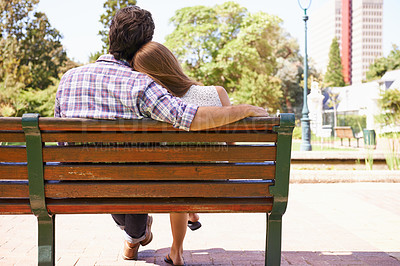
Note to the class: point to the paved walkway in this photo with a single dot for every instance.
(325, 224)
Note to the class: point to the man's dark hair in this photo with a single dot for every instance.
(131, 27)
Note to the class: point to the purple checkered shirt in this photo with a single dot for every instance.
(110, 89)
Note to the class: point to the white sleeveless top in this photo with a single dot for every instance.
(202, 96)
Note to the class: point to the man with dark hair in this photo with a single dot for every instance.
(130, 28)
(110, 89)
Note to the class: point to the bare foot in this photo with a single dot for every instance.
(176, 257)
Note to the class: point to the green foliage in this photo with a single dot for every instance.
(390, 101)
(14, 15)
(31, 51)
(111, 7)
(390, 105)
(369, 159)
(16, 100)
(356, 122)
(297, 133)
(228, 46)
(94, 56)
(384, 64)
(42, 51)
(390, 117)
(334, 75)
(289, 73)
(392, 155)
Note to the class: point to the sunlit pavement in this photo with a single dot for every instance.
(325, 224)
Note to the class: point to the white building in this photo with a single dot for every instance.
(363, 28)
(324, 24)
(362, 98)
(366, 36)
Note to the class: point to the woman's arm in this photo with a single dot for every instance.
(223, 96)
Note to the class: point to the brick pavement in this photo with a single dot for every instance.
(325, 224)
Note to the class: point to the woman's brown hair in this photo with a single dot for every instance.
(158, 62)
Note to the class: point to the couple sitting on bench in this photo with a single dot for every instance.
(137, 79)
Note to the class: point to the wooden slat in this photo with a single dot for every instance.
(12, 136)
(13, 172)
(157, 189)
(156, 137)
(79, 124)
(159, 154)
(14, 190)
(160, 205)
(12, 154)
(10, 123)
(159, 172)
(15, 206)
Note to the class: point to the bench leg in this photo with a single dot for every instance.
(46, 240)
(274, 240)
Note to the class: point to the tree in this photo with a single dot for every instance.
(390, 105)
(289, 73)
(31, 50)
(228, 46)
(42, 51)
(334, 74)
(111, 7)
(14, 15)
(32, 59)
(384, 64)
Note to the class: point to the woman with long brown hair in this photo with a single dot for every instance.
(159, 63)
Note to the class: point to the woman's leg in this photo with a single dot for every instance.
(193, 217)
(178, 228)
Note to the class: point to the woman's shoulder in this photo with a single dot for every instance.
(202, 88)
(202, 96)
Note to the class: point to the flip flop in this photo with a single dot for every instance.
(168, 260)
(194, 225)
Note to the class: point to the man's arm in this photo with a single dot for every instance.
(210, 117)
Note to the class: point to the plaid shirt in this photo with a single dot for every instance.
(110, 89)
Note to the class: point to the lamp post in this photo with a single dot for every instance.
(305, 120)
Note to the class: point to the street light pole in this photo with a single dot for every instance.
(305, 120)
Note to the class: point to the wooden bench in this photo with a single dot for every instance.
(346, 133)
(142, 166)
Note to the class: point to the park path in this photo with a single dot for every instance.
(325, 224)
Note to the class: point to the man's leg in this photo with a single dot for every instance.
(137, 231)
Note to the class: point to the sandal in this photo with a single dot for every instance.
(194, 225)
(168, 260)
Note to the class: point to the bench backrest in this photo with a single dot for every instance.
(140, 166)
(344, 132)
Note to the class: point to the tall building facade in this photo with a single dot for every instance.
(358, 26)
